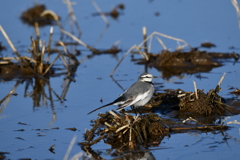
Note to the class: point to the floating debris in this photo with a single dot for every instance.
(207, 45)
(22, 123)
(51, 149)
(2, 47)
(21, 130)
(20, 138)
(2, 155)
(72, 129)
(157, 14)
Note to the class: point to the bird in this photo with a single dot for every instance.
(138, 94)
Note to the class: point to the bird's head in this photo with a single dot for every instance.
(146, 77)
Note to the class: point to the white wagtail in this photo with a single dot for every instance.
(137, 95)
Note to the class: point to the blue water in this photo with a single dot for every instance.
(193, 21)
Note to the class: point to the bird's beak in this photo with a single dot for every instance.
(154, 76)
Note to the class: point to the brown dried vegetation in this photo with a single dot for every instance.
(178, 62)
(126, 131)
(34, 15)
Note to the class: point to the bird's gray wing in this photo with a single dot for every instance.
(126, 103)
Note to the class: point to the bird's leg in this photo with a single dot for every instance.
(122, 111)
(135, 110)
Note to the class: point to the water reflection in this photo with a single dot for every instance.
(120, 154)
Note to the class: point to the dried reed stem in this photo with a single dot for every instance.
(77, 156)
(10, 93)
(10, 42)
(54, 15)
(122, 59)
(144, 30)
(30, 59)
(235, 4)
(195, 89)
(100, 12)
(37, 30)
(218, 87)
(8, 96)
(139, 47)
(6, 60)
(71, 13)
(204, 125)
(166, 36)
(49, 44)
(161, 42)
(70, 147)
(79, 41)
(51, 65)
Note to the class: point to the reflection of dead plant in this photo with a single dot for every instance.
(35, 69)
(72, 16)
(7, 98)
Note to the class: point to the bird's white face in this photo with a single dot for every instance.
(146, 77)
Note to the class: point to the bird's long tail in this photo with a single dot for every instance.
(102, 107)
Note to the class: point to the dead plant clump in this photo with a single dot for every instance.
(35, 15)
(24, 67)
(205, 104)
(179, 62)
(126, 131)
(236, 91)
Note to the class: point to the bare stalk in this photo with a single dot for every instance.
(122, 59)
(195, 89)
(79, 41)
(10, 42)
(166, 36)
(51, 65)
(235, 4)
(49, 44)
(161, 42)
(37, 30)
(100, 12)
(218, 87)
(10, 93)
(71, 13)
(144, 30)
(70, 147)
